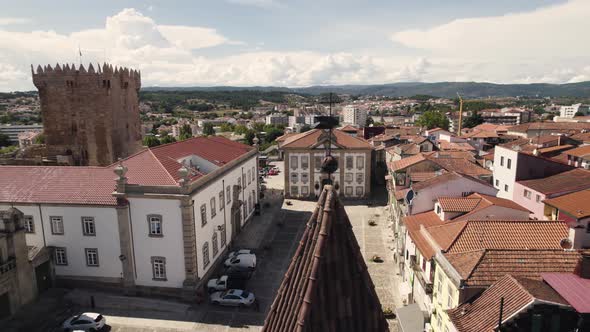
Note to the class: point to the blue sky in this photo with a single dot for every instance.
(300, 43)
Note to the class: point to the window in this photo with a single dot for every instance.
(304, 177)
(254, 174)
(348, 191)
(527, 194)
(294, 191)
(228, 194)
(294, 177)
(203, 215)
(239, 183)
(304, 190)
(91, 257)
(348, 177)
(29, 224)
(61, 258)
(359, 191)
(213, 210)
(249, 176)
(57, 225)
(159, 268)
(244, 179)
(423, 264)
(88, 228)
(222, 240)
(439, 288)
(538, 198)
(155, 225)
(293, 162)
(221, 201)
(317, 162)
(588, 227)
(438, 209)
(349, 162)
(214, 244)
(360, 162)
(304, 162)
(359, 178)
(497, 183)
(502, 161)
(450, 297)
(206, 254)
(505, 187)
(509, 163)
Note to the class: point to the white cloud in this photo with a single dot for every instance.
(14, 20)
(257, 3)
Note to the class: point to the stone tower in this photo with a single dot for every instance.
(92, 115)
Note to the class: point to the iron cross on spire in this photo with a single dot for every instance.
(329, 164)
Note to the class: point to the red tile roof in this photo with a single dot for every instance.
(406, 162)
(57, 184)
(531, 264)
(583, 151)
(575, 204)
(327, 286)
(444, 145)
(458, 204)
(482, 314)
(576, 179)
(413, 225)
(422, 176)
(574, 289)
(462, 166)
(312, 137)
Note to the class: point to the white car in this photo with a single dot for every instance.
(88, 321)
(232, 254)
(241, 261)
(233, 297)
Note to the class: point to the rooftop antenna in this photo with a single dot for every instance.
(460, 113)
(80, 55)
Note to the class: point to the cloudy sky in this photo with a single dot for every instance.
(302, 42)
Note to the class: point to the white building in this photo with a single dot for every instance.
(277, 119)
(159, 227)
(305, 152)
(354, 116)
(12, 131)
(570, 111)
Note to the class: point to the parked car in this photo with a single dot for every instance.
(88, 321)
(237, 273)
(242, 261)
(223, 283)
(233, 297)
(232, 254)
(272, 172)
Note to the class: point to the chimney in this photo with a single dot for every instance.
(585, 268)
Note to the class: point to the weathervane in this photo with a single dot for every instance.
(329, 164)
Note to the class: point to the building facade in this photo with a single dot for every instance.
(571, 111)
(354, 116)
(304, 154)
(92, 115)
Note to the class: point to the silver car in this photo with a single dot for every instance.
(88, 321)
(233, 297)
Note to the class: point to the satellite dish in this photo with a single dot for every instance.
(566, 244)
(409, 196)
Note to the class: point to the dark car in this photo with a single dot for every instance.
(237, 273)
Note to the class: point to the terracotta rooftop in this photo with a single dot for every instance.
(349, 129)
(462, 236)
(327, 286)
(462, 166)
(525, 127)
(406, 162)
(446, 177)
(480, 134)
(413, 225)
(581, 152)
(481, 315)
(576, 179)
(454, 154)
(422, 176)
(495, 263)
(491, 127)
(313, 137)
(581, 137)
(458, 204)
(447, 146)
(484, 201)
(575, 204)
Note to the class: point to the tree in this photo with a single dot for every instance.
(433, 119)
(185, 132)
(579, 113)
(473, 120)
(249, 136)
(369, 121)
(40, 139)
(167, 139)
(305, 128)
(227, 127)
(208, 129)
(151, 141)
(273, 133)
(4, 140)
(240, 130)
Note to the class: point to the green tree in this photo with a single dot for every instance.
(579, 113)
(226, 127)
(433, 119)
(40, 139)
(151, 141)
(185, 132)
(473, 120)
(249, 137)
(208, 129)
(369, 121)
(4, 140)
(167, 139)
(240, 130)
(273, 133)
(258, 126)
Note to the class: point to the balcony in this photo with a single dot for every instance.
(8, 266)
(418, 274)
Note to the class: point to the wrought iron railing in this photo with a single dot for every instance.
(8, 266)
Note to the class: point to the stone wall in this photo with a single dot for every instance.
(91, 114)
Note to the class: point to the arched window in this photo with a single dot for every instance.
(206, 260)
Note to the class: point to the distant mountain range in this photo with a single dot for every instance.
(440, 89)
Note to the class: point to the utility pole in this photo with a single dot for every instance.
(460, 114)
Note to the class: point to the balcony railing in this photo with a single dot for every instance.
(418, 274)
(8, 266)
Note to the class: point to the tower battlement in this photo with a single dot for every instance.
(90, 114)
(47, 74)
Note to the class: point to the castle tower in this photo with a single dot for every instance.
(92, 115)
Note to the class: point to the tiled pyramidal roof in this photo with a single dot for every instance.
(327, 286)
